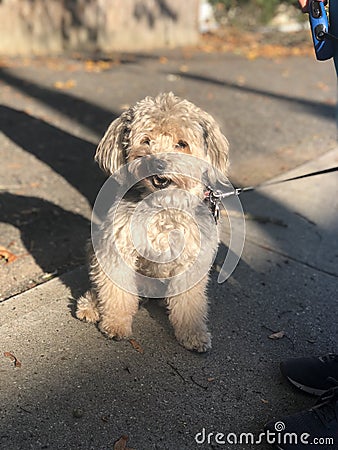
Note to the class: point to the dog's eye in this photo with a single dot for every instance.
(145, 141)
(182, 144)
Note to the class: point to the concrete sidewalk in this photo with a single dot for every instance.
(76, 389)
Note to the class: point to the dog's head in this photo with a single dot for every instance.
(163, 126)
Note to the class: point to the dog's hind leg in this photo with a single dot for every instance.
(188, 315)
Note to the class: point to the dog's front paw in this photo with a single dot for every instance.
(115, 329)
(196, 341)
(86, 309)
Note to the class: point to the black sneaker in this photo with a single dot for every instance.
(312, 375)
(315, 429)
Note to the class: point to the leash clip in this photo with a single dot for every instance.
(214, 198)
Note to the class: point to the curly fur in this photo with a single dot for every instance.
(161, 126)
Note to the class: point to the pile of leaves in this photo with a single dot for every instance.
(257, 44)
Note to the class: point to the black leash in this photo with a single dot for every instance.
(271, 183)
(325, 34)
(214, 197)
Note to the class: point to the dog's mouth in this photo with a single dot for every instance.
(160, 182)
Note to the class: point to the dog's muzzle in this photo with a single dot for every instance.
(160, 181)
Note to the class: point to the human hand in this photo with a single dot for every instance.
(304, 4)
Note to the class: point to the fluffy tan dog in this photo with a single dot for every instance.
(163, 141)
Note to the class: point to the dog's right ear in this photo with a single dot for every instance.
(111, 153)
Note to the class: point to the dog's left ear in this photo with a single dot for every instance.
(111, 152)
(216, 144)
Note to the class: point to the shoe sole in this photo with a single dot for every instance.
(307, 389)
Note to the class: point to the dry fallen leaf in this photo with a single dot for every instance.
(241, 80)
(278, 335)
(34, 184)
(69, 84)
(13, 358)
(47, 276)
(7, 255)
(121, 444)
(322, 86)
(184, 68)
(172, 77)
(98, 66)
(136, 346)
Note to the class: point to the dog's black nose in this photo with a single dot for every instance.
(160, 182)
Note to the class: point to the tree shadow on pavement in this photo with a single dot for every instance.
(84, 112)
(316, 108)
(69, 156)
(54, 236)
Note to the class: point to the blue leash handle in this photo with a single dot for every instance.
(321, 37)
